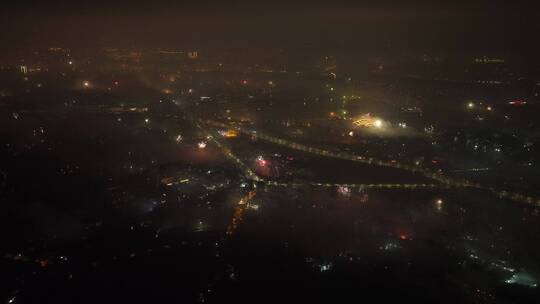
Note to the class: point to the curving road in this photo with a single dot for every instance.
(441, 179)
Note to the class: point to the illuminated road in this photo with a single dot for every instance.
(322, 152)
(344, 155)
(239, 210)
(212, 136)
(444, 181)
(361, 186)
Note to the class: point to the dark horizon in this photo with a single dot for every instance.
(367, 26)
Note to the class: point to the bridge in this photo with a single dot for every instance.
(360, 186)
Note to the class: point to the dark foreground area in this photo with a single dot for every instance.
(87, 218)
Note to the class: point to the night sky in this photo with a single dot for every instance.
(497, 26)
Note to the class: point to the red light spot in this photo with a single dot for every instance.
(403, 237)
(244, 82)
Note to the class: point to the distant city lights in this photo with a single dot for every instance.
(419, 179)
